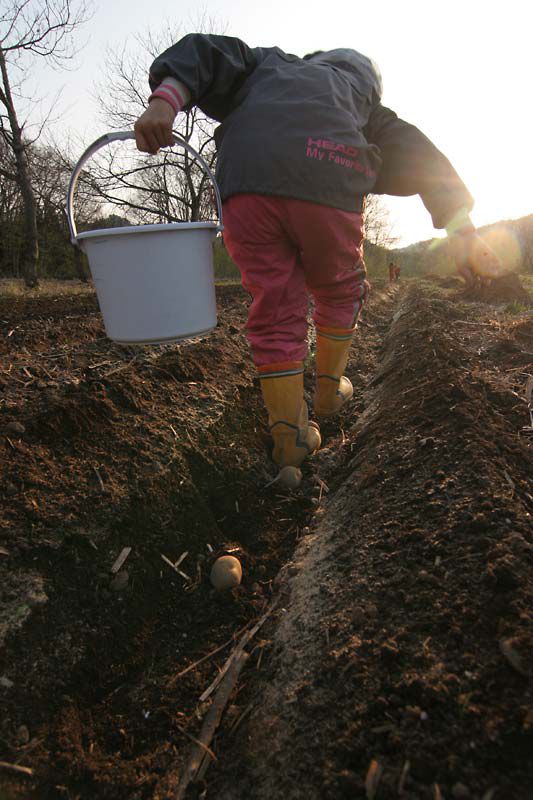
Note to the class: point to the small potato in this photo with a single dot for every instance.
(290, 477)
(226, 573)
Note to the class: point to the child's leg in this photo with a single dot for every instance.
(331, 253)
(331, 243)
(272, 272)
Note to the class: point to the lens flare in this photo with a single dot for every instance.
(505, 243)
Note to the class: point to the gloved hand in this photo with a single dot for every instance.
(473, 257)
(153, 129)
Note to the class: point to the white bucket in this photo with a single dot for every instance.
(154, 283)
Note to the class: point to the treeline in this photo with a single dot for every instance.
(61, 260)
(49, 178)
(377, 258)
(50, 172)
(58, 258)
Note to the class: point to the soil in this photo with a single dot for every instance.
(508, 288)
(399, 656)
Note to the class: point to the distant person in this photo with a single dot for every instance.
(394, 272)
(300, 144)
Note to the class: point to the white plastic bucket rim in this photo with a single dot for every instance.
(165, 227)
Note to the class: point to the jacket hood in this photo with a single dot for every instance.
(358, 66)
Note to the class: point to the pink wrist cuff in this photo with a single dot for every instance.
(171, 90)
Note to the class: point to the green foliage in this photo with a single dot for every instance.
(423, 257)
(516, 307)
(111, 221)
(224, 266)
(376, 260)
(57, 257)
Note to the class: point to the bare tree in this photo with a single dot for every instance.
(50, 171)
(168, 187)
(378, 225)
(10, 209)
(29, 30)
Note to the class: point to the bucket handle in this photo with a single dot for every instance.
(121, 136)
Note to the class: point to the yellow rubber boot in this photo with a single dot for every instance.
(333, 389)
(294, 436)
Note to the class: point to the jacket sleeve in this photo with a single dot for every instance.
(212, 67)
(411, 164)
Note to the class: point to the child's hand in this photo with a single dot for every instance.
(153, 129)
(473, 257)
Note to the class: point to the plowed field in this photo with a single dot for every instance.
(398, 657)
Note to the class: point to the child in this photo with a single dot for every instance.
(300, 144)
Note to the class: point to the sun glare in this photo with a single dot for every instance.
(506, 245)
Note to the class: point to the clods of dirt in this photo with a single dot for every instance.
(397, 660)
(401, 666)
(507, 289)
(445, 281)
(160, 450)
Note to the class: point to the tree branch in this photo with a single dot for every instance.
(10, 176)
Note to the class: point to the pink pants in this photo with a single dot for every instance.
(284, 249)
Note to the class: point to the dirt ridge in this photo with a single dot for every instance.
(364, 670)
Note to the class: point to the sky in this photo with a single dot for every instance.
(460, 71)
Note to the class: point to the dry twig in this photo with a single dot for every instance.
(403, 777)
(207, 750)
(16, 768)
(468, 322)
(226, 681)
(121, 560)
(239, 649)
(100, 481)
(122, 368)
(211, 722)
(205, 658)
(373, 777)
(175, 567)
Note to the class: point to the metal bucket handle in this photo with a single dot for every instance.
(123, 135)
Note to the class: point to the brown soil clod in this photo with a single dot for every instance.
(507, 289)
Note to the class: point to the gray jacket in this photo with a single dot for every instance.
(312, 128)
